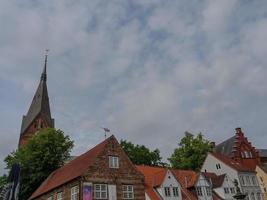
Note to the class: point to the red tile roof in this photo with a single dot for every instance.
(187, 178)
(154, 176)
(231, 163)
(71, 170)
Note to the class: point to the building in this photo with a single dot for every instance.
(104, 172)
(240, 149)
(222, 185)
(160, 183)
(262, 179)
(221, 164)
(263, 155)
(38, 115)
(198, 186)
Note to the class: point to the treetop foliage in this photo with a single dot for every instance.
(45, 152)
(191, 152)
(139, 154)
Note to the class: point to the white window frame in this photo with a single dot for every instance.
(208, 191)
(175, 191)
(248, 180)
(167, 191)
(103, 191)
(242, 180)
(199, 191)
(232, 190)
(59, 195)
(259, 197)
(113, 162)
(74, 192)
(127, 191)
(226, 190)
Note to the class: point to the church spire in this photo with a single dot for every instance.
(38, 115)
(44, 76)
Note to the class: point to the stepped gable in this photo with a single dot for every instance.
(71, 170)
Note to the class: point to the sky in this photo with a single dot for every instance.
(148, 70)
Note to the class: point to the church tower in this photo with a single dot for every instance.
(38, 115)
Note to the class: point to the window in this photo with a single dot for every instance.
(175, 191)
(218, 166)
(254, 182)
(242, 154)
(242, 180)
(167, 191)
(49, 198)
(59, 196)
(199, 191)
(113, 162)
(252, 196)
(247, 180)
(232, 190)
(226, 190)
(258, 196)
(250, 154)
(208, 190)
(128, 192)
(246, 154)
(100, 191)
(74, 193)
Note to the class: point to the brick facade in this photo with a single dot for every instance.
(38, 123)
(99, 172)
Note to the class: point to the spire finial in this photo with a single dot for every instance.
(44, 76)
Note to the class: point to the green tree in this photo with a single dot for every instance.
(43, 153)
(191, 152)
(139, 154)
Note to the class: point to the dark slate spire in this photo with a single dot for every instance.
(40, 104)
(44, 76)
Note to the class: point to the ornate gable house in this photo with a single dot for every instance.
(38, 115)
(240, 149)
(104, 172)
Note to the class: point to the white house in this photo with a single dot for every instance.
(246, 177)
(160, 183)
(222, 185)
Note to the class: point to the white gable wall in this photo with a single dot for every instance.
(209, 165)
(171, 182)
(227, 183)
(203, 184)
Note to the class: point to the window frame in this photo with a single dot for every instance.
(199, 191)
(61, 195)
(167, 191)
(175, 191)
(208, 191)
(226, 190)
(74, 192)
(113, 162)
(127, 194)
(100, 191)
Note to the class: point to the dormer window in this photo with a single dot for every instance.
(113, 161)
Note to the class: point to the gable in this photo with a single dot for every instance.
(170, 179)
(100, 167)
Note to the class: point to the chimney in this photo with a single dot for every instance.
(212, 145)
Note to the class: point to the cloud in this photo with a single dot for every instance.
(148, 70)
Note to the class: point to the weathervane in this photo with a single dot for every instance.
(106, 130)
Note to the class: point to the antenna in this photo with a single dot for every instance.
(106, 130)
